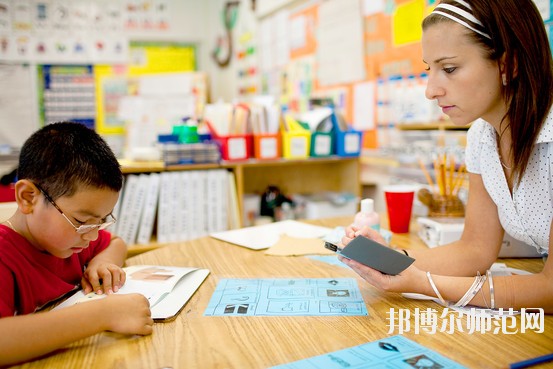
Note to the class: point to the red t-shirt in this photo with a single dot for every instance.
(29, 278)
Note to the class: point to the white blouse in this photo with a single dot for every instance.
(526, 215)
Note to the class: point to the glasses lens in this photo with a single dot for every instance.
(91, 227)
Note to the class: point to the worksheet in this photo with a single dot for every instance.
(395, 352)
(286, 297)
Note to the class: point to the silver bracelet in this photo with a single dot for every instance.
(438, 294)
(492, 293)
(479, 281)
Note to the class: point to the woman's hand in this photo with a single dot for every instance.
(411, 279)
(352, 231)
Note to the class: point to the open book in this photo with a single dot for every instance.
(167, 288)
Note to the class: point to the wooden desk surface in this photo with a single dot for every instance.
(196, 341)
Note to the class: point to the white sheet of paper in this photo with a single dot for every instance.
(265, 236)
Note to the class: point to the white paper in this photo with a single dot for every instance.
(265, 236)
(363, 106)
(371, 7)
(340, 50)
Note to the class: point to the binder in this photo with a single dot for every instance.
(149, 212)
(131, 208)
(164, 208)
(184, 206)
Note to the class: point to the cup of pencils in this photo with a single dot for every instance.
(443, 200)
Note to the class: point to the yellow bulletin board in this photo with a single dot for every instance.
(391, 36)
(112, 82)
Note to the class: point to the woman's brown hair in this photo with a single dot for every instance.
(517, 34)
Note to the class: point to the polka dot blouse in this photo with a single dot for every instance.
(527, 214)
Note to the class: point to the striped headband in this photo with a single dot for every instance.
(462, 14)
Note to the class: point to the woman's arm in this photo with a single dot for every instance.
(480, 242)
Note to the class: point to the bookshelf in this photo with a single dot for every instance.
(310, 175)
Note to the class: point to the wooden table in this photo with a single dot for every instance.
(196, 341)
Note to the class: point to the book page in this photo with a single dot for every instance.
(153, 281)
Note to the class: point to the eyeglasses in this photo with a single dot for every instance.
(84, 228)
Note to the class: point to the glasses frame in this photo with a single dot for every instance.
(83, 228)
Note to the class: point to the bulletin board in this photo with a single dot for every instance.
(114, 82)
(389, 45)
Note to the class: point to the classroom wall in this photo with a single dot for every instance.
(19, 107)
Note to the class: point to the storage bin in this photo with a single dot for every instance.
(267, 146)
(233, 147)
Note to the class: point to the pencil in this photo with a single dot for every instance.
(437, 175)
(443, 179)
(533, 361)
(459, 179)
(451, 171)
(426, 174)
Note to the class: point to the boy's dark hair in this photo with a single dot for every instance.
(62, 156)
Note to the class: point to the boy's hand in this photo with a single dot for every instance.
(102, 277)
(127, 314)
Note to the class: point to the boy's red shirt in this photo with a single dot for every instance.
(29, 278)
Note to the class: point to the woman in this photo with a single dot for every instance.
(489, 64)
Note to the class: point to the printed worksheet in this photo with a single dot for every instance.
(395, 352)
(286, 297)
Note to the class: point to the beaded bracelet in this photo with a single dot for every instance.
(433, 285)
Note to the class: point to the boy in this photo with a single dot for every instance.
(68, 184)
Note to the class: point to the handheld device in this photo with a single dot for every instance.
(374, 255)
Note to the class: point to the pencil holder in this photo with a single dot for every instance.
(441, 205)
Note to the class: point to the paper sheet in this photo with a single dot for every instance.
(267, 235)
(291, 246)
(391, 353)
(286, 297)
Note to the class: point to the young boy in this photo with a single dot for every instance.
(68, 184)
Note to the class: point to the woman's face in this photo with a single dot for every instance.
(466, 85)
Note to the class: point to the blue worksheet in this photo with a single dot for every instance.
(395, 352)
(286, 297)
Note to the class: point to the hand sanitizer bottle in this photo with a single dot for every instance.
(367, 217)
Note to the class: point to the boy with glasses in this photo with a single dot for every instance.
(68, 184)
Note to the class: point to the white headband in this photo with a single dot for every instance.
(461, 16)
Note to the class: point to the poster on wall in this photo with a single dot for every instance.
(67, 93)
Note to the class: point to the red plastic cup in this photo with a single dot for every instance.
(399, 201)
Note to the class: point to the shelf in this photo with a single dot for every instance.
(303, 176)
(445, 125)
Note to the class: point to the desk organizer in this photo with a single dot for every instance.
(296, 140)
(322, 144)
(267, 146)
(348, 142)
(233, 147)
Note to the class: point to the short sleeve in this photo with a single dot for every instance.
(474, 147)
(7, 303)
